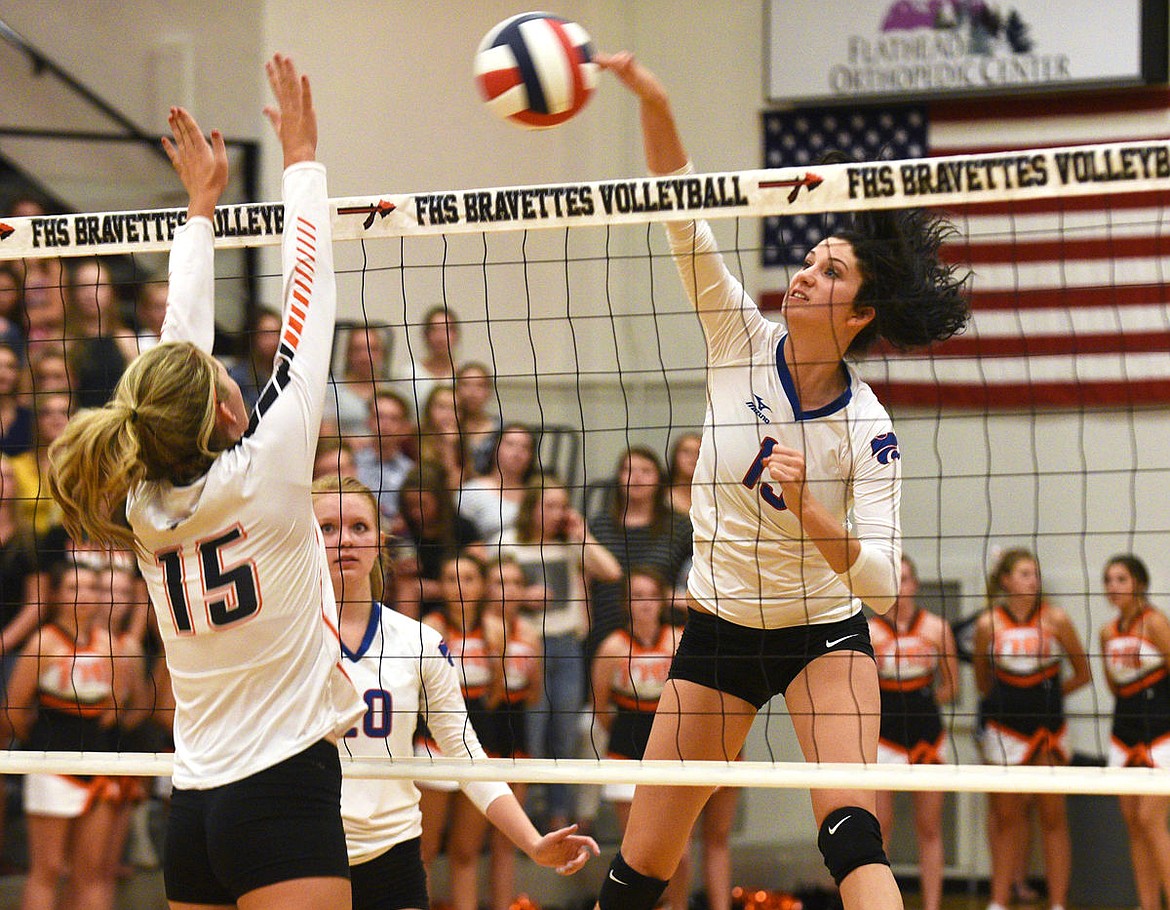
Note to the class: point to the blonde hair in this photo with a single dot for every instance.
(159, 426)
(382, 572)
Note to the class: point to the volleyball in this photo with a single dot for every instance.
(535, 70)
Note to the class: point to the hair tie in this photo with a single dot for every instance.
(134, 415)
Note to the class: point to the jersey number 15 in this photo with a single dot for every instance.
(240, 593)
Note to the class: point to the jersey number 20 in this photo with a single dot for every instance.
(240, 597)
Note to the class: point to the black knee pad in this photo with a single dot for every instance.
(850, 837)
(625, 889)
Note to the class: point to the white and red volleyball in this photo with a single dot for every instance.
(535, 70)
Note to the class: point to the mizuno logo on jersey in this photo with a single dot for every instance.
(758, 407)
(446, 652)
(885, 447)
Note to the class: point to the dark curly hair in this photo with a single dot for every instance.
(917, 299)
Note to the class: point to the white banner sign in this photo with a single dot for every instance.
(927, 48)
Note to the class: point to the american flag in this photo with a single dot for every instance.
(1071, 297)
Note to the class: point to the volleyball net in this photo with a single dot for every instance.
(1041, 427)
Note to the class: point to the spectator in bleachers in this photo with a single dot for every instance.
(640, 528)
(1022, 642)
(1135, 649)
(440, 441)
(130, 612)
(12, 305)
(440, 336)
(252, 371)
(449, 818)
(31, 469)
(44, 307)
(684, 455)
(557, 551)
(473, 391)
(99, 343)
(629, 672)
(512, 643)
(65, 694)
(349, 397)
(16, 418)
(19, 614)
(430, 525)
(493, 500)
(150, 308)
(48, 372)
(334, 458)
(27, 205)
(383, 465)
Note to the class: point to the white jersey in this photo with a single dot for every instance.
(235, 562)
(402, 669)
(752, 563)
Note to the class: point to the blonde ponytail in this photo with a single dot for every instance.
(160, 426)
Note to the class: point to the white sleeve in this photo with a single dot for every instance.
(728, 315)
(190, 312)
(877, 494)
(287, 417)
(445, 715)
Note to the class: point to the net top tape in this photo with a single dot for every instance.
(955, 181)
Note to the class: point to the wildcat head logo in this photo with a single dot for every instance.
(758, 407)
(885, 448)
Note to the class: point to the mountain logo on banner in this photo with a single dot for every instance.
(982, 28)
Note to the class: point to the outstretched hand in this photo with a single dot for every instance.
(294, 118)
(564, 850)
(201, 165)
(639, 80)
(664, 149)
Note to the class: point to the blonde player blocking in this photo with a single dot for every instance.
(404, 670)
(221, 519)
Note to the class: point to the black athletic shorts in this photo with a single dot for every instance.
(279, 824)
(756, 664)
(393, 881)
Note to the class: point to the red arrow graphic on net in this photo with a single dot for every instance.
(6, 230)
(381, 210)
(812, 181)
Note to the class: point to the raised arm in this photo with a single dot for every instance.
(293, 118)
(661, 142)
(717, 295)
(202, 167)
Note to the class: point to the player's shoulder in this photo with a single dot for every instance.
(863, 402)
(409, 632)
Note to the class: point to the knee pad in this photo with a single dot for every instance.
(625, 889)
(850, 837)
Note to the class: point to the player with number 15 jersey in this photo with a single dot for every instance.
(234, 560)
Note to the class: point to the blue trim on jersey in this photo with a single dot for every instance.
(367, 638)
(837, 404)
